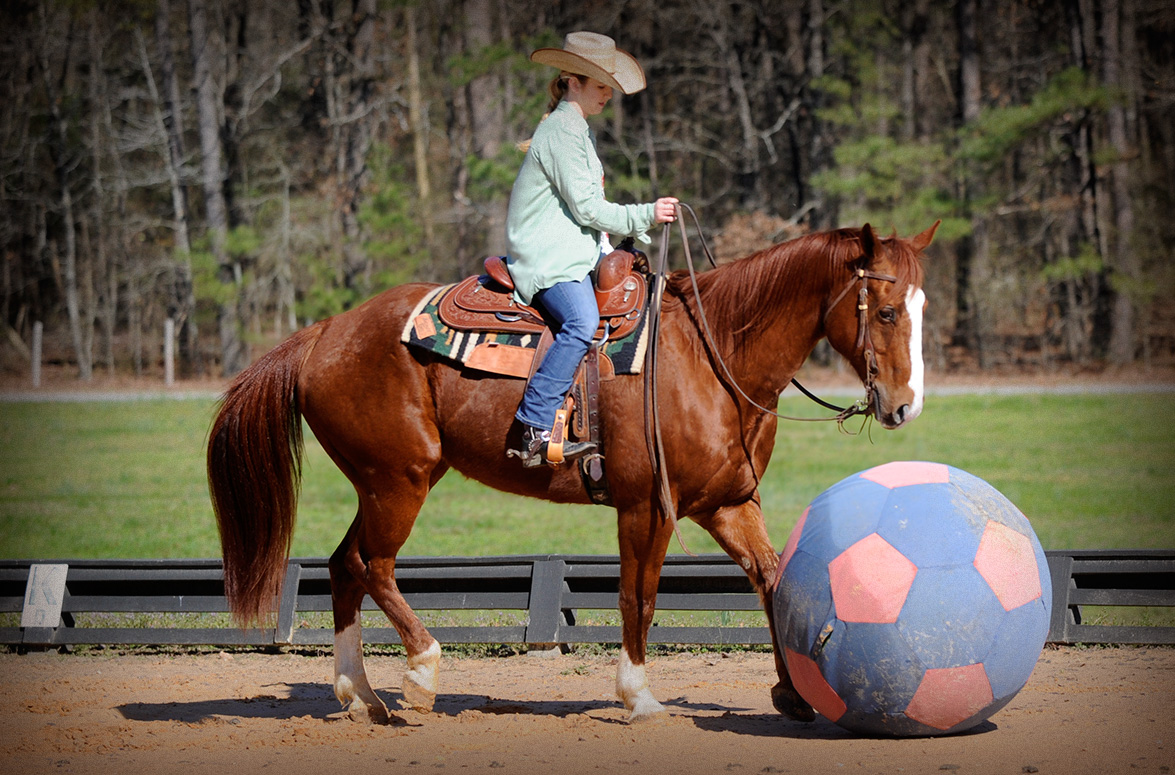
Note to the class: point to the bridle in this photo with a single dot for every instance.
(864, 345)
(861, 277)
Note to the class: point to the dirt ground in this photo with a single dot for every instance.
(1104, 710)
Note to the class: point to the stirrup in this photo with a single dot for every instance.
(538, 449)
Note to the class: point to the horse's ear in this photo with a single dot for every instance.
(920, 242)
(869, 241)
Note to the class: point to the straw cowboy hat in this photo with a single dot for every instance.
(590, 54)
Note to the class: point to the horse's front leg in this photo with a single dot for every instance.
(644, 539)
(742, 534)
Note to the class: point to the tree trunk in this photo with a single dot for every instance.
(915, 69)
(1115, 37)
(286, 295)
(486, 117)
(62, 163)
(972, 259)
(454, 266)
(748, 151)
(970, 92)
(99, 259)
(173, 126)
(355, 84)
(208, 100)
(417, 116)
(825, 214)
(184, 301)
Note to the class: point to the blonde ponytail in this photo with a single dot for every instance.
(557, 88)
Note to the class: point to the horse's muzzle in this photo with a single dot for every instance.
(895, 418)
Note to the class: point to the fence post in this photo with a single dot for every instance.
(546, 604)
(169, 352)
(1061, 576)
(38, 334)
(288, 606)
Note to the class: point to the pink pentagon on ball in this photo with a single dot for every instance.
(950, 695)
(870, 581)
(810, 683)
(903, 473)
(1007, 563)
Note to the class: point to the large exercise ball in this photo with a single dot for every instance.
(912, 599)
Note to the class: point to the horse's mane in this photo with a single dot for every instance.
(743, 295)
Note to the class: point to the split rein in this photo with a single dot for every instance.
(864, 340)
(653, 440)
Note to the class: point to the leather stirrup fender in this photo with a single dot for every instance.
(558, 436)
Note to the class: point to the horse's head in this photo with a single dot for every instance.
(875, 321)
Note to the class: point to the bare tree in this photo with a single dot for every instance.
(357, 99)
(486, 116)
(1123, 323)
(418, 117)
(169, 113)
(971, 262)
(209, 106)
(64, 163)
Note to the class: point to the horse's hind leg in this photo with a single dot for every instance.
(351, 685)
(742, 534)
(365, 563)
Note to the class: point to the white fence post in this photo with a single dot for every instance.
(169, 352)
(38, 334)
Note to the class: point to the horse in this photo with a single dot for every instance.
(395, 419)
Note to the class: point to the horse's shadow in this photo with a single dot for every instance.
(317, 700)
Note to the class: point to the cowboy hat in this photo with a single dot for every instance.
(594, 55)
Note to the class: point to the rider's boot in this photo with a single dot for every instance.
(539, 448)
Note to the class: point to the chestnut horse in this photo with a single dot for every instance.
(395, 419)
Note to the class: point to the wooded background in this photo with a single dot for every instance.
(247, 166)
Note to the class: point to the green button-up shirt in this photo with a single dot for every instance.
(557, 207)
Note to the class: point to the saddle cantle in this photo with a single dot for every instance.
(486, 302)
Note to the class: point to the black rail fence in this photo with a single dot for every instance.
(76, 602)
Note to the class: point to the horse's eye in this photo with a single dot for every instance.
(888, 314)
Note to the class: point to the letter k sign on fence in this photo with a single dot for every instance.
(44, 595)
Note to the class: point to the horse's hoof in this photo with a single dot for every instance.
(419, 698)
(789, 702)
(655, 717)
(420, 680)
(368, 714)
(647, 710)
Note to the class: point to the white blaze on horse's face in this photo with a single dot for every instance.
(915, 304)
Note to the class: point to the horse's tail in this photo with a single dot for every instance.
(255, 474)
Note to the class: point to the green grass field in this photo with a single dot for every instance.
(126, 479)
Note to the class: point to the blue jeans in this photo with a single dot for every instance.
(572, 308)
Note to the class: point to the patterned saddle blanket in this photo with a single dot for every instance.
(477, 323)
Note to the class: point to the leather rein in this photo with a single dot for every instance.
(653, 440)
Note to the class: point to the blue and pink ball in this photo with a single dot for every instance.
(911, 599)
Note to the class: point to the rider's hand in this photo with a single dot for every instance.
(664, 210)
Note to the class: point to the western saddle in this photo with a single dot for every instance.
(486, 303)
